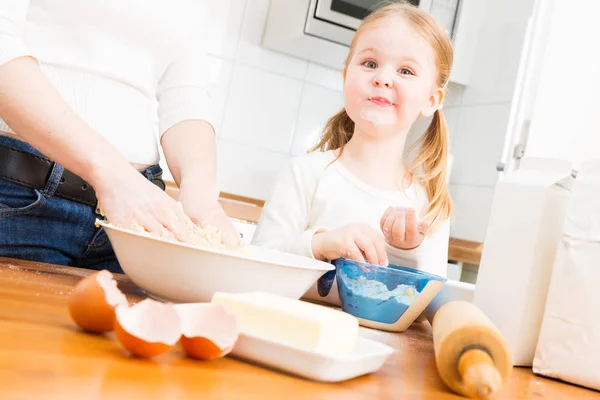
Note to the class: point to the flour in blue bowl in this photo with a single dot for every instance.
(372, 300)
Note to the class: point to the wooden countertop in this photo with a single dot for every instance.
(43, 355)
(465, 251)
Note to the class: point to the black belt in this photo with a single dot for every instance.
(34, 171)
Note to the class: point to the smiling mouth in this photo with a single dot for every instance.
(381, 101)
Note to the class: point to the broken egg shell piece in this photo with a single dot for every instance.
(93, 300)
(148, 328)
(208, 331)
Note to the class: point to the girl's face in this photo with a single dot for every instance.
(390, 80)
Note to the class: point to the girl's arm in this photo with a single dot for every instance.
(284, 221)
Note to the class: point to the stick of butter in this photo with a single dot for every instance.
(292, 322)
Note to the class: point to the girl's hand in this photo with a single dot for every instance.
(133, 202)
(205, 210)
(357, 242)
(401, 228)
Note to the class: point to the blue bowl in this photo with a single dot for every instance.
(383, 295)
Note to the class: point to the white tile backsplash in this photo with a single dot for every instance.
(224, 22)
(247, 170)
(262, 109)
(478, 144)
(326, 77)
(317, 106)
(251, 52)
(473, 206)
(454, 94)
(452, 115)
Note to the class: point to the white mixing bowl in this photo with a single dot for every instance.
(180, 272)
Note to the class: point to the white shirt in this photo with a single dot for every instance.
(124, 66)
(313, 194)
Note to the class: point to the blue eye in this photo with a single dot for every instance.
(405, 71)
(370, 64)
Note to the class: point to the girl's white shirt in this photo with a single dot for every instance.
(315, 192)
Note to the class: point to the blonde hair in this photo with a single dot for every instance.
(429, 164)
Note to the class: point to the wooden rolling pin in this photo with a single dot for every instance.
(472, 357)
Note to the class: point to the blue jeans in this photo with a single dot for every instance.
(38, 226)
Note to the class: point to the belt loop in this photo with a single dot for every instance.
(157, 180)
(53, 180)
(148, 173)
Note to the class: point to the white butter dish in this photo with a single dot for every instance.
(368, 357)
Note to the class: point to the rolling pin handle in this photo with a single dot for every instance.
(479, 373)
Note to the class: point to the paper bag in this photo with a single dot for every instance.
(525, 226)
(569, 342)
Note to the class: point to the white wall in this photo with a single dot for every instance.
(273, 105)
(565, 121)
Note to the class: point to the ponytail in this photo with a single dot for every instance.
(429, 168)
(337, 132)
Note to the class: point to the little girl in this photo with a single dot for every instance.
(353, 196)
